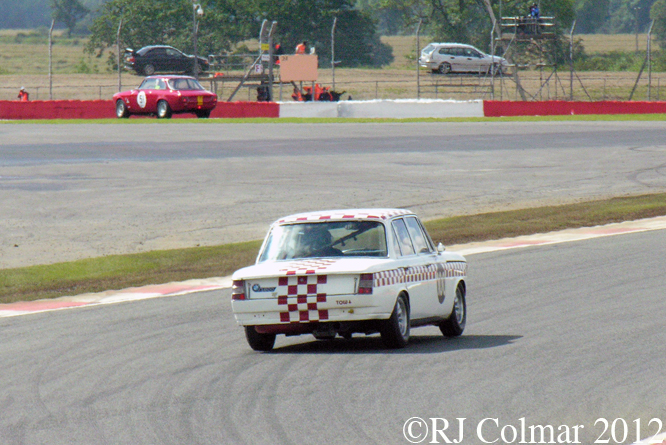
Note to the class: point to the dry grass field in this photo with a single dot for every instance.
(605, 43)
(77, 75)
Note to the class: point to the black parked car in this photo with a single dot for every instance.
(151, 59)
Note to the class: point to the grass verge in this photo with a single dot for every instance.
(122, 271)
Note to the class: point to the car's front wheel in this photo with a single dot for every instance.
(121, 109)
(163, 110)
(496, 69)
(455, 324)
(395, 330)
(149, 69)
(444, 68)
(257, 341)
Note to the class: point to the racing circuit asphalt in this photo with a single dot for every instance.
(559, 335)
(77, 191)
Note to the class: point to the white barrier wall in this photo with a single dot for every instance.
(396, 109)
(308, 109)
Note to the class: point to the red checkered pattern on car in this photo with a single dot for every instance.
(419, 273)
(343, 216)
(308, 267)
(408, 275)
(455, 269)
(299, 296)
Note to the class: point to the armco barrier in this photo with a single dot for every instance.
(101, 109)
(492, 108)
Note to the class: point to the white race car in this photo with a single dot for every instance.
(345, 271)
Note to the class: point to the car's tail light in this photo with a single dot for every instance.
(366, 283)
(238, 290)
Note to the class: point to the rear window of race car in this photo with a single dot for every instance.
(325, 239)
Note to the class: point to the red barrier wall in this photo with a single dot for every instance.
(493, 108)
(246, 109)
(101, 109)
(57, 109)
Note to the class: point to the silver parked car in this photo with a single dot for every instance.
(447, 58)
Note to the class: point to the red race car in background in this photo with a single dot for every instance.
(165, 95)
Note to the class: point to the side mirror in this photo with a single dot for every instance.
(440, 248)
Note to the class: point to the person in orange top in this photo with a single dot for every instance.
(23, 95)
(301, 48)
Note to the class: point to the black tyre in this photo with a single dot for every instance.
(149, 69)
(203, 114)
(444, 68)
(395, 330)
(324, 336)
(163, 110)
(121, 109)
(257, 341)
(455, 324)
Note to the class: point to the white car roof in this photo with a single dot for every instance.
(452, 44)
(344, 214)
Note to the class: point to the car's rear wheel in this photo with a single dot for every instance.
(324, 336)
(444, 68)
(455, 324)
(149, 69)
(163, 110)
(121, 109)
(257, 341)
(395, 330)
(202, 114)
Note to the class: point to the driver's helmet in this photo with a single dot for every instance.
(316, 237)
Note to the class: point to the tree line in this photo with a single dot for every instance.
(226, 23)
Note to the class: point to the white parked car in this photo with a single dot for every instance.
(445, 58)
(350, 271)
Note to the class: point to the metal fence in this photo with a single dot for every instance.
(531, 86)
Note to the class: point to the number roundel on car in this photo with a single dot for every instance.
(141, 99)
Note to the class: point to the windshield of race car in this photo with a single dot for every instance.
(325, 239)
(185, 84)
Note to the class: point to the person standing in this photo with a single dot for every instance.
(23, 95)
(302, 47)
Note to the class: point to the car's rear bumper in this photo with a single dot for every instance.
(286, 311)
(430, 65)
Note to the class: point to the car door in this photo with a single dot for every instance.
(418, 266)
(481, 61)
(158, 59)
(149, 93)
(468, 62)
(462, 60)
(446, 54)
(177, 60)
(427, 269)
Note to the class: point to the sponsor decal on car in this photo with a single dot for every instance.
(258, 288)
(141, 99)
